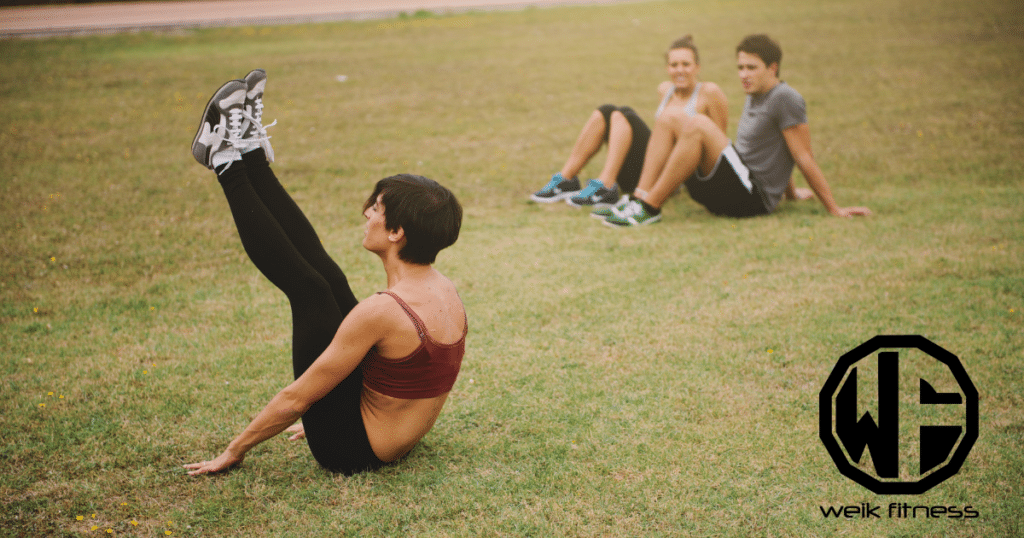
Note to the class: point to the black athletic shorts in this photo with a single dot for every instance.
(730, 190)
(629, 174)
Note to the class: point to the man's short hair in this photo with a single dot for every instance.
(428, 213)
(764, 47)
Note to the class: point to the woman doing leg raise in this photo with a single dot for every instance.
(327, 355)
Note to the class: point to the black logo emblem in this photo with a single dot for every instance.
(945, 424)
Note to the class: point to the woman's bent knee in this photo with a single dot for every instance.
(684, 124)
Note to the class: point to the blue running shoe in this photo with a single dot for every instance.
(557, 189)
(595, 195)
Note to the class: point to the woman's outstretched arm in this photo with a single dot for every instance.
(360, 331)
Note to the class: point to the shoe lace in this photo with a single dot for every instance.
(235, 125)
(258, 110)
(232, 134)
(633, 208)
(260, 135)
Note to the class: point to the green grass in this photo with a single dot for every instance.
(653, 382)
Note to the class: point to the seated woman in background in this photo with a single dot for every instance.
(627, 135)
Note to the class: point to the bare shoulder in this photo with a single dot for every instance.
(453, 293)
(664, 87)
(377, 311)
(712, 91)
(378, 305)
(368, 323)
(447, 282)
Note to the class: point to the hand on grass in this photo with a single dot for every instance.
(852, 212)
(223, 462)
(298, 431)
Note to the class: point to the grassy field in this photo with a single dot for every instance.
(651, 382)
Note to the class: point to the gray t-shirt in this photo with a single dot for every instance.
(760, 143)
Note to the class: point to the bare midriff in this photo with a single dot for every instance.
(395, 425)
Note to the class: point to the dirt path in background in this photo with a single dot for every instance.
(43, 21)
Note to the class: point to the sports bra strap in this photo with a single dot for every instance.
(691, 106)
(408, 310)
(664, 103)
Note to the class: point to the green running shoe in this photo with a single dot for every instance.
(633, 215)
(602, 213)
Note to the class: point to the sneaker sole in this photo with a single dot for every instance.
(647, 222)
(556, 198)
(199, 151)
(598, 205)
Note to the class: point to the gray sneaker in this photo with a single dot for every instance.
(595, 195)
(557, 189)
(221, 125)
(253, 131)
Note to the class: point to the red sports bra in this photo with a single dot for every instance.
(427, 372)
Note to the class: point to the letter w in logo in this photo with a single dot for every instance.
(883, 438)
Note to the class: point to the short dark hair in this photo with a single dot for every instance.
(428, 213)
(764, 47)
(685, 42)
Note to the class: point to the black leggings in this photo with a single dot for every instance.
(629, 174)
(284, 246)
